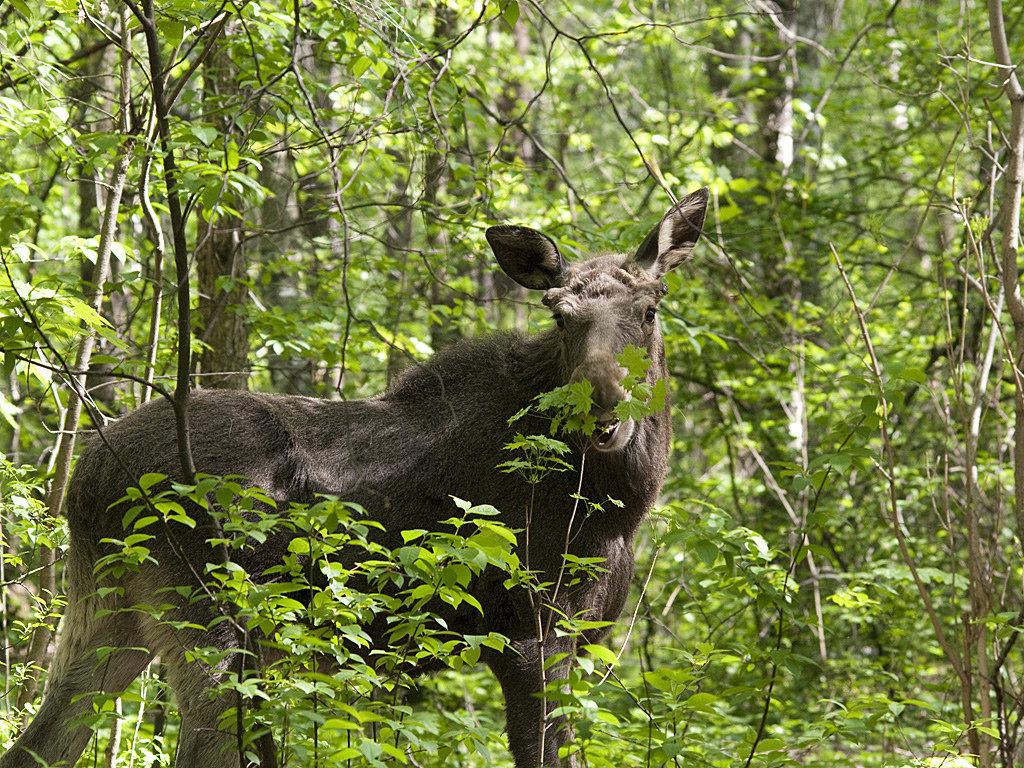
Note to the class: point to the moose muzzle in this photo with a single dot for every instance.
(605, 376)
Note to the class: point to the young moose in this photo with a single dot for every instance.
(437, 432)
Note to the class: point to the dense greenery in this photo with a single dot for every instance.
(835, 574)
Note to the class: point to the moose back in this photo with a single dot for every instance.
(437, 432)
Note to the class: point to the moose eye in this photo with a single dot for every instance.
(559, 319)
(650, 315)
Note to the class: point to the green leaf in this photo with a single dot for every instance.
(207, 134)
(601, 653)
(510, 13)
(770, 745)
(148, 480)
(231, 156)
(360, 65)
(701, 701)
(21, 7)
(706, 550)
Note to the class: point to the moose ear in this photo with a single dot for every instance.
(671, 242)
(527, 256)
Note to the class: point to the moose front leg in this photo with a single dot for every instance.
(534, 736)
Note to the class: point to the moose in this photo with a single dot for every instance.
(438, 431)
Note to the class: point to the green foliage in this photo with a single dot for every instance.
(351, 159)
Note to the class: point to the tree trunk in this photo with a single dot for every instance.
(1013, 185)
(220, 255)
(397, 243)
(443, 331)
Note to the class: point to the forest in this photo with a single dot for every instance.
(297, 198)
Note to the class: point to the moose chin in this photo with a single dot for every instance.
(438, 431)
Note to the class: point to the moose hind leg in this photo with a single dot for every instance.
(57, 735)
(205, 740)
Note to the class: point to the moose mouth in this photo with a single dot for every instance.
(605, 433)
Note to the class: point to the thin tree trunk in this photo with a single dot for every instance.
(220, 257)
(976, 635)
(114, 742)
(1010, 239)
(277, 174)
(435, 186)
(397, 242)
(1010, 276)
(157, 274)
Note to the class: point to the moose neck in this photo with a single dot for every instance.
(460, 402)
(485, 378)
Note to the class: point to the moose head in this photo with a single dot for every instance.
(604, 303)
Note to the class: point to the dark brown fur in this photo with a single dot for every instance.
(438, 432)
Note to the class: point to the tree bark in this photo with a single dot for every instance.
(397, 244)
(220, 256)
(443, 331)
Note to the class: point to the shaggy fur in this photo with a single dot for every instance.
(437, 432)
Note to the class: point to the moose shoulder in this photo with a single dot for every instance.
(438, 432)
